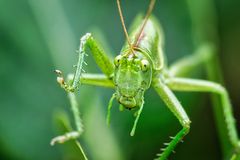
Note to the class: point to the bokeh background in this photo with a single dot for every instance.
(37, 37)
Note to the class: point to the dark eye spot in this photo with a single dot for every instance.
(144, 65)
(117, 60)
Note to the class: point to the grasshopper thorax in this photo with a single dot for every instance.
(132, 76)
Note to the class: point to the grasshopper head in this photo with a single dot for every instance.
(132, 77)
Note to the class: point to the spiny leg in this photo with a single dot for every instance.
(98, 80)
(72, 83)
(185, 84)
(100, 57)
(174, 105)
(90, 79)
(204, 56)
(74, 134)
(94, 79)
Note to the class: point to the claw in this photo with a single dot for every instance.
(62, 82)
(59, 139)
(58, 72)
(60, 78)
(64, 138)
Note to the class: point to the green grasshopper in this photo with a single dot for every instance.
(139, 66)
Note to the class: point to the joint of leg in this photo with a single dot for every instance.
(68, 88)
(186, 125)
(220, 89)
(85, 37)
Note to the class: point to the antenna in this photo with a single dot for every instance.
(149, 11)
(123, 25)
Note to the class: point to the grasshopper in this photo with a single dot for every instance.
(139, 66)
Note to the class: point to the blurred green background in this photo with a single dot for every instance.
(37, 37)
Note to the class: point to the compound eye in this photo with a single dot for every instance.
(117, 60)
(144, 65)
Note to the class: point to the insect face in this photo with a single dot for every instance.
(132, 77)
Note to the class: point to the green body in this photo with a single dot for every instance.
(132, 73)
(130, 78)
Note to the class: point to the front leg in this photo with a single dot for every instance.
(72, 83)
(174, 105)
(89, 79)
(101, 58)
(185, 84)
(94, 79)
(73, 134)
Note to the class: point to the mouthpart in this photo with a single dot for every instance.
(128, 102)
